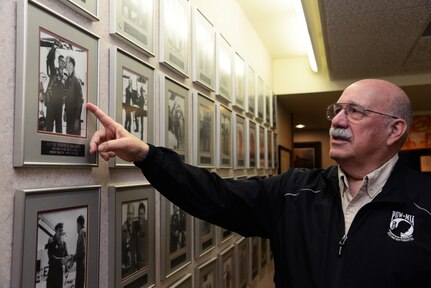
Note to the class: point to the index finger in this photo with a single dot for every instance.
(102, 116)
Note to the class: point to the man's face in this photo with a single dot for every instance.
(130, 213)
(62, 63)
(366, 136)
(141, 214)
(59, 234)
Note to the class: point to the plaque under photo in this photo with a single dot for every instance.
(57, 72)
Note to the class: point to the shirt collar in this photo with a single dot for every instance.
(373, 182)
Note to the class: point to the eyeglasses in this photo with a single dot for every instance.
(353, 112)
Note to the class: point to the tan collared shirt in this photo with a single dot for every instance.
(372, 184)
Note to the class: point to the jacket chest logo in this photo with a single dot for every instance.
(401, 226)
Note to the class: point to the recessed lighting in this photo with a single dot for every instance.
(300, 126)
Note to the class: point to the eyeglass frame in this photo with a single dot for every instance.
(362, 111)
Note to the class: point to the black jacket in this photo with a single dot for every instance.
(387, 245)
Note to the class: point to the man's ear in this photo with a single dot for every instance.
(396, 130)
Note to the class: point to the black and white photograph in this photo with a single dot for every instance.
(251, 91)
(57, 72)
(204, 127)
(240, 142)
(61, 248)
(224, 68)
(204, 236)
(262, 147)
(131, 96)
(56, 237)
(252, 144)
(242, 256)
(260, 99)
(174, 35)
(132, 21)
(240, 77)
(176, 238)
(269, 149)
(174, 115)
(227, 268)
(203, 44)
(87, 8)
(206, 274)
(268, 106)
(225, 133)
(132, 233)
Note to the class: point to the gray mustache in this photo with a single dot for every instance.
(340, 133)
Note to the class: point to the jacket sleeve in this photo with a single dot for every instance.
(248, 207)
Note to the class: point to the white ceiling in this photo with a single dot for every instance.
(361, 39)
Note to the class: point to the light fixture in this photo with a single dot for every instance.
(300, 126)
(299, 10)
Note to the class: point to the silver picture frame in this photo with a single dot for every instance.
(224, 72)
(227, 267)
(185, 282)
(87, 8)
(262, 163)
(206, 274)
(205, 237)
(252, 143)
(240, 81)
(133, 23)
(242, 262)
(251, 92)
(268, 106)
(47, 239)
(224, 130)
(132, 236)
(240, 153)
(204, 130)
(203, 51)
(132, 86)
(260, 100)
(174, 35)
(52, 126)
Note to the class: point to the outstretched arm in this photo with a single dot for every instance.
(113, 140)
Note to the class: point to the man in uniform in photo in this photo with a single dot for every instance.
(128, 107)
(128, 232)
(54, 98)
(74, 99)
(79, 256)
(58, 257)
(142, 237)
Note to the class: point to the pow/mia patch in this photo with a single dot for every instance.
(401, 227)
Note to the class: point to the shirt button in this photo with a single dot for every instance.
(352, 209)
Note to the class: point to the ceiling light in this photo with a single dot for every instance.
(300, 126)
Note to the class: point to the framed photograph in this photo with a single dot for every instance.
(204, 127)
(51, 123)
(174, 35)
(240, 81)
(175, 117)
(268, 106)
(87, 8)
(307, 155)
(206, 274)
(260, 100)
(254, 256)
(56, 237)
(269, 151)
(132, 96)
(132, 234)
(184, 282)
(262, 147)
(274, 111)
(224, 132)
(242, 262)
(252, 144)
(224, 59)
(284, 158)
(224, 235)
(239, 142)
(203, 46)
(133, 23)
(275, 150)
(264, 252)
(226, 267)
(205, 237)
(176, 238)
(251, 92)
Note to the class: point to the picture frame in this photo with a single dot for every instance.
(254, 257)
(224, 72)
(264, 252)
(204, 130)
(307, 155)
(268, 106)
(269, 149)
(252, 143)
(251, 92)
(43, 217)
(224, 125)
(205, 237)
(275, 150)
(240, 81)
(87, 8)
(284, 158)
(274, 111)
(227, 267)
(260, 112)
(133, 23)
(242, 262)
(203, 51)
(174, 35)
(206, 274)
(52, 126)
(132, 86)
(175, 117)
(224, 235)
(185, 282)
(239, 142)
(262, 147)
(176, 238)
(132, 233)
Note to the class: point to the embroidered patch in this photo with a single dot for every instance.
(401, 226)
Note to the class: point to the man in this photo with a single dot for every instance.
(362, 223)
(129, 260)
(55, 98)
(57, 257)
(141, 237)
(73, 99)
(128, 107)
(79, 256)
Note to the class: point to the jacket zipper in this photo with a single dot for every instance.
(341, 243)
